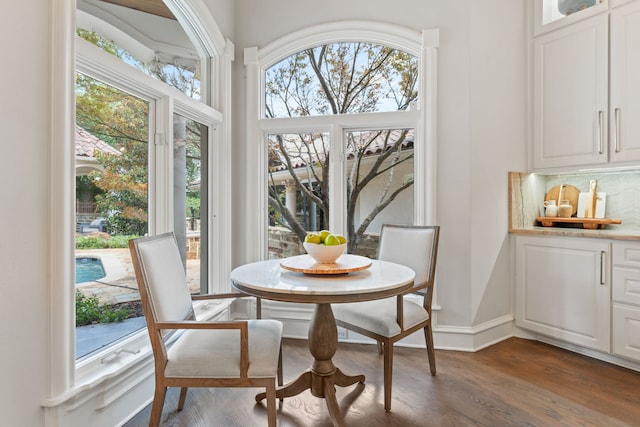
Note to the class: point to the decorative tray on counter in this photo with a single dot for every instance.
(588, 223)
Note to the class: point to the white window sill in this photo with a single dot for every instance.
(116, 369)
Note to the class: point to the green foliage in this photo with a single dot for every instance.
(91, 242)
(95, 242)
(121, 120)
(106, 45)
(193, 202)
(86, 190)
(89, 311)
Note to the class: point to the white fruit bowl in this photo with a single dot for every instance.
(324, 254)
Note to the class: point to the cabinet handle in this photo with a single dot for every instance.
(616, 130)
(600, 129)
(602, 266)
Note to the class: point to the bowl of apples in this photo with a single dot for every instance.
(324, 246)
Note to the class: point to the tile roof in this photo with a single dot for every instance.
(87, 144)
(363, 140)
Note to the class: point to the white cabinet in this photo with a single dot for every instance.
(625, 284)
(624, 101)
(586, 92)
(563, 289)
(570, 95)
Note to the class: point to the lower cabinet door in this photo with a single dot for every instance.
(626, 331)
(563, 289)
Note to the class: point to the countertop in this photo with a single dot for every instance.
(620, 234)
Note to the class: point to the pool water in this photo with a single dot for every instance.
(89, 269)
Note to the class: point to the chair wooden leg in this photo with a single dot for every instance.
(183, 397)
(388, 374)
(280, 380)
(379, 347)
(431, 353)
(271, 403)
(156, 408)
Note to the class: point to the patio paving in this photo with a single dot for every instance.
(118, 286)
(120, 283)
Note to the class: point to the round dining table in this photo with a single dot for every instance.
(298, 279)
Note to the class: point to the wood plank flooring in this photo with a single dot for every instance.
(514, 383)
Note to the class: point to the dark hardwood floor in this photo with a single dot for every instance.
(514, 383)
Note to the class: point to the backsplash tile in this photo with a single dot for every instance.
(622, 191)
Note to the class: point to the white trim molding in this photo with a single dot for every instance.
(395, 36)
(61, 202)
(199, 25)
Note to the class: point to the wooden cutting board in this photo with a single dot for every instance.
(564, 192)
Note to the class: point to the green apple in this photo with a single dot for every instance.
(331, 240)
(324, 234)
(313, 238)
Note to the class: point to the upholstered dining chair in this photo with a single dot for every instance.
(391, 319)
(192, 353)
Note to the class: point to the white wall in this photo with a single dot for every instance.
(497, 135)
(481, 129)
(223, 11)
(24, 168)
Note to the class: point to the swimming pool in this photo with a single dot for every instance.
(89, 269)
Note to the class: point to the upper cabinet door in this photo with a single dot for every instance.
(550, 15)
(570, 94)
(624, 113)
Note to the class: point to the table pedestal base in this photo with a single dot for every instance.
(322, 377)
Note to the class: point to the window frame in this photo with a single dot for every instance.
(67, 381)
(163, 101)
(423, 45)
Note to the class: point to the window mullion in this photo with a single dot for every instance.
(337, 180)
(161, 167)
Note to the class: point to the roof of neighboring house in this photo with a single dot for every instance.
(379, 144)
(87, 144)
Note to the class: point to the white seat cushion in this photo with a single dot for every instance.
(216, 353)
(379, 316)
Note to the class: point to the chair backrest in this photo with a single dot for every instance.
(413, 246)
(161, 280)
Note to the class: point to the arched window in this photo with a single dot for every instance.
(345, 137)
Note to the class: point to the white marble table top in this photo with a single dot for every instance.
(267, 279)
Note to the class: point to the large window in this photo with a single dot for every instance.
(131, 179)
(112, 172)
(96, 382)
(347, 134)
(139, 182)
